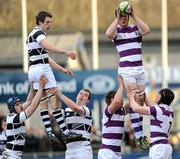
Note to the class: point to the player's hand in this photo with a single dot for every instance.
(68, 72)
(132, 93)
(120, 80)
(42, 81)
(71, 54)
(117, 13)
(54, 90)
(132, 11)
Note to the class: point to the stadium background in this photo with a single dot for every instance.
(72, 30)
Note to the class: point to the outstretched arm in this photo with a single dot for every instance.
(54, 65)
(51, 48)
(136, 107)
(71, 104)
(143, 27)
(36, 100)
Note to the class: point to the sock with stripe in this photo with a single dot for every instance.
(136, 123)
(60, 120)
(46, 120)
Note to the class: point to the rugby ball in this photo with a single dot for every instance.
(124, 8)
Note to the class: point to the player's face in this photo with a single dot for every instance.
(47, 24)
(123, 20)
(82, 97)
(18, 107)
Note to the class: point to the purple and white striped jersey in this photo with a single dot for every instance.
(160, 123)
(129, 46)
(113, 130)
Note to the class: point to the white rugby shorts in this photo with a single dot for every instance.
(106, 153)
(160, 151)
(132, 75)
(84, 152)
(35, 72)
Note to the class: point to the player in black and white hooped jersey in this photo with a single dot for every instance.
(18, 113)
(79, 120)
(39, 49)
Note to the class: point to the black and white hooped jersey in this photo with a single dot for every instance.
(15, 131)
(37, 54)
(79, 124)
(3, 140)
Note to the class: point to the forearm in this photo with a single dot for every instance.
(54, 65)
(71, 104)
(35, 102)
(147, 102)
(137, 108)
(29, 97)
(51, 48)
(144, 28)
(111, 31)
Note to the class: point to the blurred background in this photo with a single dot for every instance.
(80, 25)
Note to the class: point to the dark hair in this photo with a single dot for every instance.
(87, 90)
(42, 16)
(108, 98)
(2, 119)
(11, 102)
(167, 96)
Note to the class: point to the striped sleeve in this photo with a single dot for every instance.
(39, 35)
(87, 111)
(107, 113)
(153, 111)
(22, 117)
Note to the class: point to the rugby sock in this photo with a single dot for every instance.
(46, 120)
(136, 123)
(60, 120)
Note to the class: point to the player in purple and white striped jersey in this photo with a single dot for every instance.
(161, 118)
(128, 41)
(113, 124)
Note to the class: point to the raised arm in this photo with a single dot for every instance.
(111, 32)
(54, 65)
(51, 48)
(117, 101)
(36, 100)
(136, 107)
(143, 27)
(147, 102)
(29, 97)
(71, 104)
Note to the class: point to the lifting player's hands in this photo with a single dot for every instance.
(132, 94)
(55, 91)
(42, 81)
(68, 71)
(71, 54)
